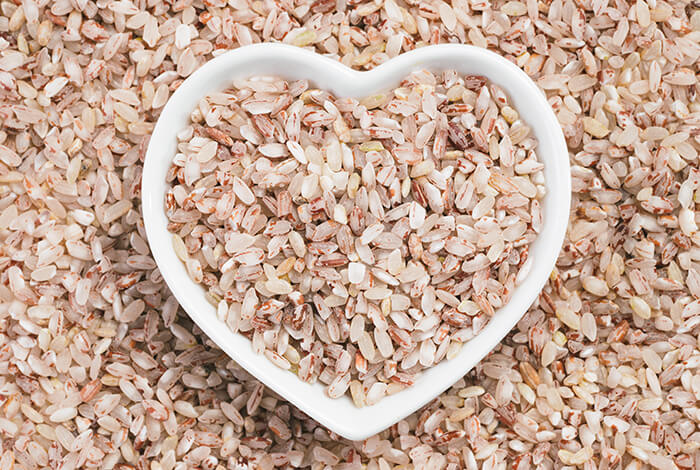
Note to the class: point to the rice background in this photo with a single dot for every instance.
(100, 369)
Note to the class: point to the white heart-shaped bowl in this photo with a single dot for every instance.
(341, 415)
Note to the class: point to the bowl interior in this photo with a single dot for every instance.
(340, 415)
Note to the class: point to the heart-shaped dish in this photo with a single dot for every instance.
(341, 415)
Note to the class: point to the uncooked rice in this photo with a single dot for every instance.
(356, 239)
(618, 388)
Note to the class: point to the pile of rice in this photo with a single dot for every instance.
(100, 369)
(356, 242)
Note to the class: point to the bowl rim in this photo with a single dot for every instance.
(354, 423)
